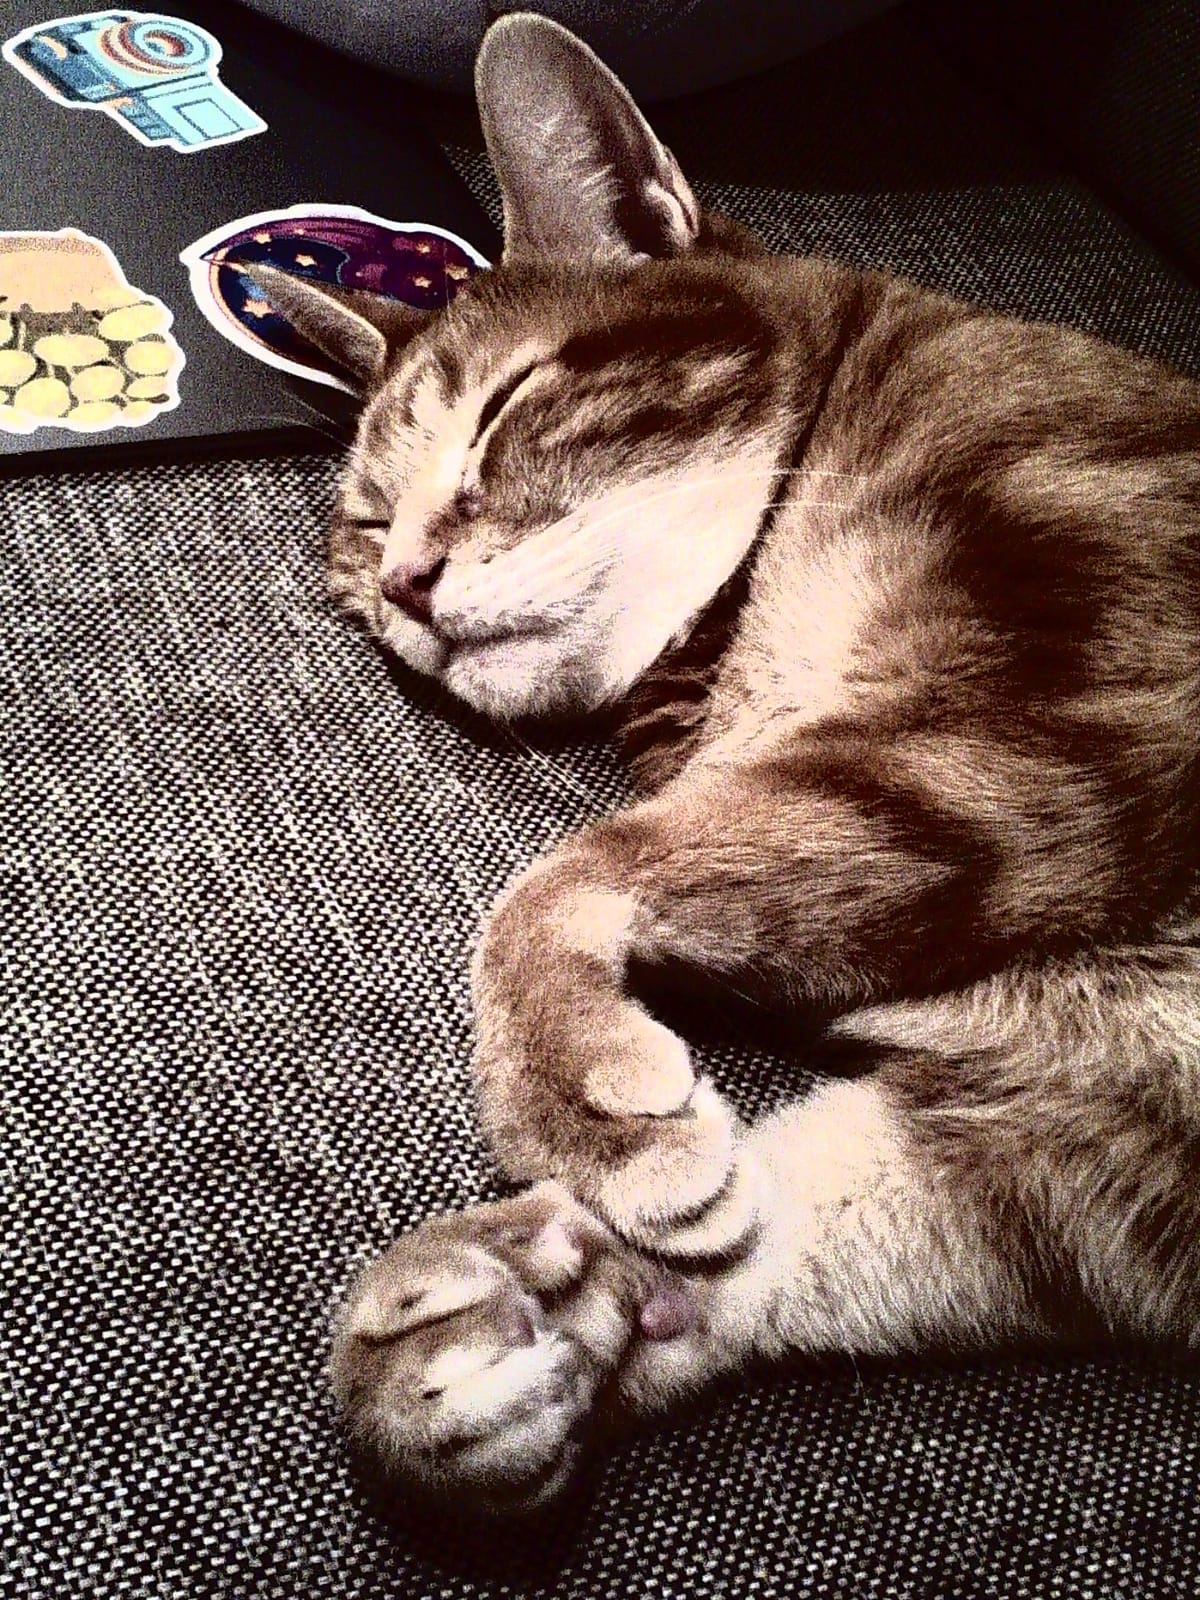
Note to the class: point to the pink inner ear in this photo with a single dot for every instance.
(669, 1312)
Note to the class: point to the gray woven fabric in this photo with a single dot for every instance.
(1113, 81)
(243, 865)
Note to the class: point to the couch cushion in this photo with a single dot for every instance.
(1115, 83)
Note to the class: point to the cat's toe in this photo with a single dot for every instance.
(620, 1118)
(679, 1177)
(469, 1356)
(685, 1220)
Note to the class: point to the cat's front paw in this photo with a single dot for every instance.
(617, 1115)
(577, 1082)
(469, 1357)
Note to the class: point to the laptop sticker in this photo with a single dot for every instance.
(156, 76)
(80, 347)
(343, 246)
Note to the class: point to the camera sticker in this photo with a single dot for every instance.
(342, 246)
(156, 76)
(80, 347)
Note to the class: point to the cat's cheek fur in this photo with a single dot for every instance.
(681, 537)
(675, 540)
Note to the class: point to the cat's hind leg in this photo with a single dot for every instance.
(1022, 1168)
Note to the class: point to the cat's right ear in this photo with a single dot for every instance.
(355, 329)
(582, 175)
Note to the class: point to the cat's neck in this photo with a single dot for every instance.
(661, 720)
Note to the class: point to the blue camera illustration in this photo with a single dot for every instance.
(156, 75)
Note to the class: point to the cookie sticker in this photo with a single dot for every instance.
(342, 246)
(156, 76)
(80, 348)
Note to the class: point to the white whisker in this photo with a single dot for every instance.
(565, 780)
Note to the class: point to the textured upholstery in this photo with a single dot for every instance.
(243, 865)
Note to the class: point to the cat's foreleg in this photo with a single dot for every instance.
(742, 873)
(1021, 1167)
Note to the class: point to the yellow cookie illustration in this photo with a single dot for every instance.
(95, 414)
(80, 346)
(16, 367)
(101, 383)
(133, 322)
(148, 356)
(70, 349)
(147, 389)
(43, 397)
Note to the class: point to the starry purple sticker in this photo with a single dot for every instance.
(421, 265)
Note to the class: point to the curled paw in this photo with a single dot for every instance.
(469, 1358)
(617, 1114)
(579, 1083)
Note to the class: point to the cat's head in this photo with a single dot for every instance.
(555, 474)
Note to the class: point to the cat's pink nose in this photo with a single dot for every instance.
(410, 587)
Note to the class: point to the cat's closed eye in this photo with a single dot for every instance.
(499, 398)
(367, 509)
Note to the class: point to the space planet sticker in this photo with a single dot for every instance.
(340, 246)
(154, 75)
(80, 347)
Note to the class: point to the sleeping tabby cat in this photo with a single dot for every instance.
(900, 604)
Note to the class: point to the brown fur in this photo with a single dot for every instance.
(899, 604)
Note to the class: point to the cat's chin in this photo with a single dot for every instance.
(522, 676)
(417, 646)
(517, 675)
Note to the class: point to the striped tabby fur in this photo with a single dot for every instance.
(899, 604)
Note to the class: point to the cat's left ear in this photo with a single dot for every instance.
(355, 329)
(582, 175)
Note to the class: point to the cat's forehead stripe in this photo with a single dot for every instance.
(450, 369)
(378, 426)
(363, 500)
(689, 336)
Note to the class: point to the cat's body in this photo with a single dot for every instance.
(901, 601)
